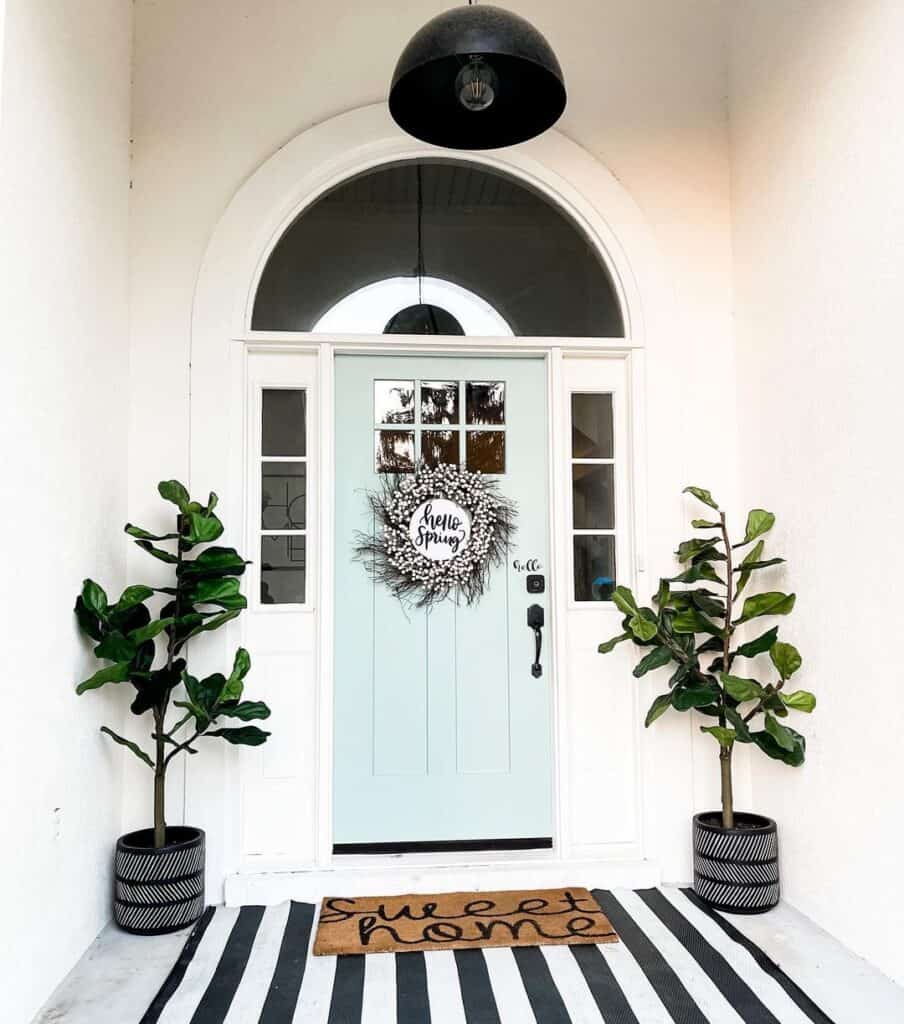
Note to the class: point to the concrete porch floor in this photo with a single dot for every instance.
(119, 974)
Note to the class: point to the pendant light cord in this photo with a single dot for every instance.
(420, 234)
(421, 269)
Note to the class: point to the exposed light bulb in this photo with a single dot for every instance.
(476, 85)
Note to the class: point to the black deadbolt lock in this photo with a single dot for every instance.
(536, 584)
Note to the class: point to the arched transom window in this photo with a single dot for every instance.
(439, 248)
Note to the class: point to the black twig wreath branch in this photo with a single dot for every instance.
(390, 556)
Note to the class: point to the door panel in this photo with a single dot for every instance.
(441, 732)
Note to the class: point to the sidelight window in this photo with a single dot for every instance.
(284, 479)
(593, 496)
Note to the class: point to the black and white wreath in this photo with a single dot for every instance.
(437, 533)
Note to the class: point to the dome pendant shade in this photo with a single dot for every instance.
(423, 318)
(477, 77)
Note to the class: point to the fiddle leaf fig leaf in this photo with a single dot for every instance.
(705, 524)
(762, 643)
(697, 572)
(129, 745)
(695, 547)
(659, 707)
(202, 721)
(94, 598)
(799, 700)
(759, 521)
(624, 601)
(726, 737)
(780, 733)
(240, 668)
(770, 745)
(642, 628)
(702, 495)
(752, 556)
(213, 562)
(786, 659)
(214, 622)
(658, 657)
(158, 553)
(117, 673)
(246, 711)
(214, 591)
(741, 689)
(152, 629)
(172, 490)
(663, 594)
(742, 732)
(202, 528)
(116, 647)
(773, 602)
(247, 735)
(610, 645)
(132, 596)
(137, 531)
(707, 602)
(88, 622)
(693, 621)
(686, 697)
(763, 564)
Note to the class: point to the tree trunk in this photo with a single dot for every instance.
(727, 794)
(160, 787)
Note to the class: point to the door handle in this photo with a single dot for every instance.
(535, 620)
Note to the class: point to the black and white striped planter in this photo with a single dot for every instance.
(736, 869)
(158, 891)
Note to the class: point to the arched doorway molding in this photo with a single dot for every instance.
(266, 204)
(322, 157)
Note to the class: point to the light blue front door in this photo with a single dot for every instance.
(442, 733)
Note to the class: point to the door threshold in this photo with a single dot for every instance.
(363, 876)
(442, 846)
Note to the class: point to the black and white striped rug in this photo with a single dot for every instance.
(676, 962)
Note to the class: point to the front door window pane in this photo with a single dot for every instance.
(486, 451)
(394, 451)
(439, 402)
(394, 401)
(439, 446)
(485, 403)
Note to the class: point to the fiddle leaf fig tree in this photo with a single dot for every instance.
(149, 650)
(691, 628)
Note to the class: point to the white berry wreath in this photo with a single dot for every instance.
(394, 554)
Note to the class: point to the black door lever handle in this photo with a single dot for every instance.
(535, 620)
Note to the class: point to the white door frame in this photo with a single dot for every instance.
(253, 223)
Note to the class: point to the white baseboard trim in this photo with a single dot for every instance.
(391, 878)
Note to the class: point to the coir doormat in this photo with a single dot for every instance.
(460, 920)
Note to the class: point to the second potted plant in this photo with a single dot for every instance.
(692, 629)
(159, 871)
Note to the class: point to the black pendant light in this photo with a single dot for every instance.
(477, 77)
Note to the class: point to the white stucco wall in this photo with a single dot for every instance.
(64, 180)
(817, 166)
(219, 88)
